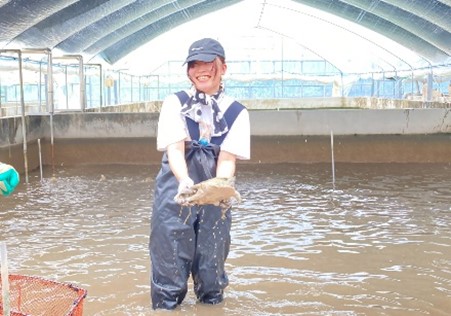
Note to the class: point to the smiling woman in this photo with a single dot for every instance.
(206, 65)
(202, 133)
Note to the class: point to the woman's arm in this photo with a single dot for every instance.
(176, 158)
(226, 165)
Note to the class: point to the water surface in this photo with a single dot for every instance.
(377, 244)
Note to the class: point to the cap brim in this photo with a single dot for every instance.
(200, 57)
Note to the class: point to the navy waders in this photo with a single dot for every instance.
(189, 240)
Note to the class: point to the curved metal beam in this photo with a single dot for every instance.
(431, 11)
(384, 27)
(126, 45)
(152, 18)
(108, 24)
(405, 18)
(70, 20)
(18, 16)
(114, 28)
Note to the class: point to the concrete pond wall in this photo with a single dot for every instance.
(360, 135)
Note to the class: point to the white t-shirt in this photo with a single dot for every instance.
(172, 127)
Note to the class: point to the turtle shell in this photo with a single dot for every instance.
(213, 191)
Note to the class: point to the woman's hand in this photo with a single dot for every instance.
(184, 190)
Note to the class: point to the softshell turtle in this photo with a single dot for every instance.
(216, 191)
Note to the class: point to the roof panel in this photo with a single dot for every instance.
(112, 29)
(145, 26)
(20, 15)
(367, 18)
(406, 19)
(109, 24)
(68, 21)
(115, 52)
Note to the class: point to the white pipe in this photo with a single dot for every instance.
(5, 279)
(40, 156)
(52, 142)
(333, 159)
(24, 128)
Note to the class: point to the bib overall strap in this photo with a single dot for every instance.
(230, 116)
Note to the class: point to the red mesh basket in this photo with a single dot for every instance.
(33, 296)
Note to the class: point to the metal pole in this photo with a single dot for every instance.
(81, 77)
(82, 84)
(100, 82)
(282, 68)
(40, 157)
(24, 128)
(51, 105)
(333, 158)
(39, 86)
(118, 99)
(66, 82)
(131, 88)
(140, 98)
(158, 86)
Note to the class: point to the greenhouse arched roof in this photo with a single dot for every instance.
(112, 29)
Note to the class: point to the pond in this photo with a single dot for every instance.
(375, 242)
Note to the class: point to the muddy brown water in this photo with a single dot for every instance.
(377, 244)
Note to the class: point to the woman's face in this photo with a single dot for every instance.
(206, 77)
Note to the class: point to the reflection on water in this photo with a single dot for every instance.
(379, 244)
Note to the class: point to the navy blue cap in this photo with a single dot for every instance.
(206, 50)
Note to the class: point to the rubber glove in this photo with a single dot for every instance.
(9, 179)
(184, 190)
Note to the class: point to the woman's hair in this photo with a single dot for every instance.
(222, 59)
(215, 64)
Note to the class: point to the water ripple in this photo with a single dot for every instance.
(377, 244)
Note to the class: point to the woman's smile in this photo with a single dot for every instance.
(203, 78)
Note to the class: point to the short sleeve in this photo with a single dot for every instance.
(171, 125)
(238, 139)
